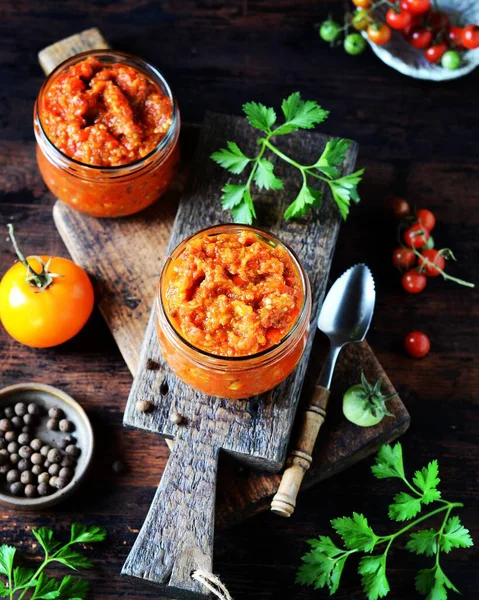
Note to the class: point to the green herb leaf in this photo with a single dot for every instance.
(46, 538)
(373, 576)
(434, 583)
(73, 588)
(46, 588)
(23, 577)
(323, 565)
(260, 116)
(4, 591)
(87, 534)
(344, 190)
(455, 535)
(231, 158)
(242, 211)
(232, 195)
(325, 545)
(73, 559)
(308, 197)
(427, 481)
(423, 542)
(405, 507)
(333, 155)
(389, 462)
(355, 532)
(265, 178)
(300, 114)
(7, 554)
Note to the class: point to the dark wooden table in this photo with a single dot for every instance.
(417, 139)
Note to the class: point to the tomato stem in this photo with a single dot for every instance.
(443, 273)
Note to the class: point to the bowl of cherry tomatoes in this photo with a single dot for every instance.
(435, 40)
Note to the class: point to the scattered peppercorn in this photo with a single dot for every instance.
(118, 467)
(10, 436)
(37, 458)
(20, 409)
(36, 445)
(24, 464)
(61, 483)
(73, 451)
(43, 489)
(13, 475)
(54, 469)
(13, 447)
(25, 452)
(52, 424)
(152, 365)
(33, 409)
(30, 491)
(24, 438)
(29, 419)
(65, 425)
(27, 477)
(37, 469)
(143, 406)
(53, 481)
(65, 473)
(9, 412)
(5, 425)
(54, 456)
(17, 488)
(56, 413)
(17, 422)
(43, 478)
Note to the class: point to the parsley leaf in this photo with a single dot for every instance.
(300, 114)
(4, 591)
(232, 195)
(23, 577)
(427, 481)
(345, 189)
(72, 558)
(231, 158)
(73, 588)
(46, 538)
(86, 534)
(355, 532)
(308, 197)
(265, 178)
(374, 580)
(423, 542)
(405, 507)
(46, 589)
(455, 535)
(434, 583)
(260, 116)
(323, 565)
(389, 462)
(333, 155)
(7, 554)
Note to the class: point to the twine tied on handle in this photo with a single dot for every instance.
(213, 583)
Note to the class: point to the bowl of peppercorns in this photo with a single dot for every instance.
(46, 445)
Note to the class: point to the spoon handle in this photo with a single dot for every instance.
(300, 458)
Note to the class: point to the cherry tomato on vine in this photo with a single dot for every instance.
(400, 207)
(362, 3)
(417, 344)
(416, 236)
(46, 304)
(418, 7)
(451, 60)
(455, 36)
(426, 217)
(379, 33)
(403, 258)
(419, 38)
(413, 281)
(470, 37)
(434, 54)
(329, 30)
(434, 257)
(361, 20)
(398, 20)
(416, 22)
(354, 44)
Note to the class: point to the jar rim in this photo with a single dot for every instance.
(140, 63)
(271, 351)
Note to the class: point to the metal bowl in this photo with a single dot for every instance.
(402, 57)
(48, 397)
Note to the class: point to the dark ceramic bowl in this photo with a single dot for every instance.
(47, 397)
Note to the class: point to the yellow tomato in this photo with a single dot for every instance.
(45, 317)
(362, 3)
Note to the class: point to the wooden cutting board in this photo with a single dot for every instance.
(124, 257)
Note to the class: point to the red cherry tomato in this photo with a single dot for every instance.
(413, 281)
(455, 36)
(416, 21)
(434, 54)
(438, 21)
(432, 256)
(403, 258)
(400, 207)
(416, 236)
(470, 37)
(398, 20)
(419, 38)
(426, 218)
(379, 33)
(417, 344)
(418, 7)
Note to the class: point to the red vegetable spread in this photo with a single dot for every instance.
(233, 294)
(105, 114)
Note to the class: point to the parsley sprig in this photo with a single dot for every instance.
(24, 580)
(298, 114)
(323, 564)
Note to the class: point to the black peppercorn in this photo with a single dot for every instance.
(37, 469)
(43, 478)
(24, 464)
(30, 491)
(43, 488)
(54, 469)
(9, 412)
(44, 450)
(65, 473)
(17, 422)
(56, 413)
(4, 452)
(13, 448)
(52, 424)
(65, 425)
(5, 425)
(73, 451)
(37, 458)
(25, 452)
(16, 489)
(54, 456)
(143, 406)
(28, 419)
(14, 458)
(46, 464)
(27, 477)
(33, 409)
(53, 481)
(25, 429)
(13, 475)
(36, 444)
(61, 483)
(68, 461)
(24, 438)
(20, 409)
(10, 436)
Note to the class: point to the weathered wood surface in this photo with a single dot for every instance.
(216, 57)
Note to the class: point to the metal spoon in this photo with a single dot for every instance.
(345, 317)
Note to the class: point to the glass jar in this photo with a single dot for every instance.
(239, 376)
(111, 191)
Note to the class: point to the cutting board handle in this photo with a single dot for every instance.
(177, 536)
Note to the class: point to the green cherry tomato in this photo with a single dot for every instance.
(451, 60)
(361, 20)
(354, 44)
(357, 409)
(329, 30)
